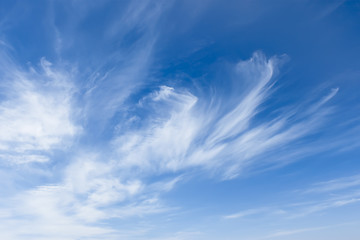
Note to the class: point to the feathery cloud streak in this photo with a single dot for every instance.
(218, 132)
(36, 112)
(179, 131)
(99, 143)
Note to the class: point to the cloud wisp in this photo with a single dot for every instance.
(343, 192)
(109, 147)
(169, 131)
(338, 184)
(37, 113)
(218, 133)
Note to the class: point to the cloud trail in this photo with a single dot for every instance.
(36, 112)
(180, 132)
(96, 136)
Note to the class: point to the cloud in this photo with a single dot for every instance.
(180, 130)
(282, 233)
(324, 205)
(329, 9)
(89, 144)
(335, 184)
(246, 213)
(344, 193)
(294, 231)
(138, 15)
(36, 112)
(167, 131)
(89, 194)
(45, 109)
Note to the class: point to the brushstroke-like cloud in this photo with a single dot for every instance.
(36, 112)
(94, 142)
(183, 131)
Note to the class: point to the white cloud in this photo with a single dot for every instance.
(306, 209)
(294, 231)
(90, 193)
(290, 211)
(221, 135)
(180, 131)
(36, 112)
(246, 213)
(335, 184)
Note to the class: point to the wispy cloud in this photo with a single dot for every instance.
(294, 231)
(97, 137)
(283, 233)
(335, 184)
(344, 192)
(89, 194)
(246, 213)
(330, 8)
(302, 210)
(36, 111)
(171, 130)
(179, 131)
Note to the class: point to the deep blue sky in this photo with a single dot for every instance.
(179, 120)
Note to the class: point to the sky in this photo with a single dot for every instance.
(180, 120)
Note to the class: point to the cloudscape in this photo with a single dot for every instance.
(180, 120)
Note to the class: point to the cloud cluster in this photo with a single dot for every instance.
(216, 132)
(128, 153)
(326, 195)
(36, 112)
(170, 130)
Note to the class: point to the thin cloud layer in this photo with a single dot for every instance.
(37, 113)
(180, 131)
(138, 120)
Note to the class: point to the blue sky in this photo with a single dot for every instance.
(179, 120)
